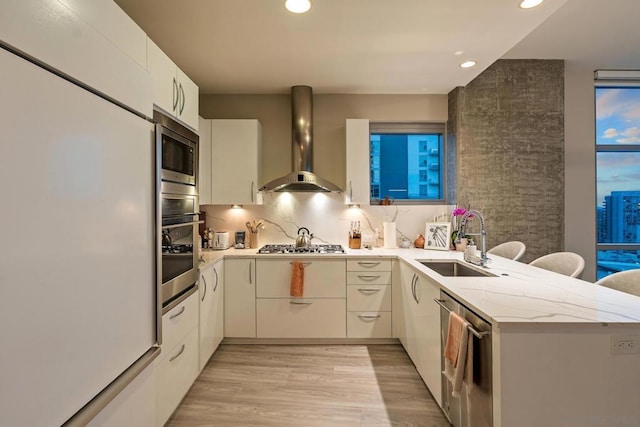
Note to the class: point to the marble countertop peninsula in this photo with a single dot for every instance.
(518, 295)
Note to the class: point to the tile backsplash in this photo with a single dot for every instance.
(325, 215)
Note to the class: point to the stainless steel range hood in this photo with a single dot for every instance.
(302, 179)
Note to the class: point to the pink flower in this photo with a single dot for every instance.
(459, 211)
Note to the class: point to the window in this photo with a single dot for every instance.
(407, 162)
(618, 178)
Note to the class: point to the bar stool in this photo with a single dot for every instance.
(625, 281)
(513, 250)
(567, 263)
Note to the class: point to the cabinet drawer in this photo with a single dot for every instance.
(316, 318)
(369, 324)
(176, 372)
(368, 265)
(369, 298)
(322, 278)
(369, 277)
(177, 322)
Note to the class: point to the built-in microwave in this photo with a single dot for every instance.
(179, 151)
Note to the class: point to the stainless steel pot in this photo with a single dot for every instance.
(304, 238)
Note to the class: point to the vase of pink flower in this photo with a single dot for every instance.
(455, 225)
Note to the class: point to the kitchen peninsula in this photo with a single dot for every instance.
(552, 336)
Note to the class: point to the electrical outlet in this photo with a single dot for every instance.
(625, 344)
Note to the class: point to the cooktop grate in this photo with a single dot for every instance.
(291, 249)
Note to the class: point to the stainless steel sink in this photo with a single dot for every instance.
(455, 268)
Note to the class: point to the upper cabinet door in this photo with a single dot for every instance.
(109, 20)
(187, 108)
(163, 75)
(235, 161)
(173, 92)
(358, 168)
(77, 43)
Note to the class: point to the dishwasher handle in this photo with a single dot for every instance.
(477, 334)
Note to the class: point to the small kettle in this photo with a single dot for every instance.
(304, 238)
(166, 238)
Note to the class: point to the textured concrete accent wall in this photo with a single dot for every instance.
(508, 128)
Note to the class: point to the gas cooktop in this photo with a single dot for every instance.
(291, 249)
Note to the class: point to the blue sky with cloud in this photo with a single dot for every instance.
(617, 123)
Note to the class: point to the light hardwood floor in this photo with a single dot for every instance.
(308, 385)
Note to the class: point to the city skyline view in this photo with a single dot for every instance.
(617, 123)
(617, 178)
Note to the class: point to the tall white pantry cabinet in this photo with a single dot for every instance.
(82, 71)
(90, 165)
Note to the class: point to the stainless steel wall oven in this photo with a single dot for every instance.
(179, 231)
(178, 209)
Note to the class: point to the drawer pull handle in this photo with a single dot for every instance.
(369, 316)
(368, 263)
(177, 355)
(368, 278)
(300, 302)
(177, 314)
(370, 290)
(304, 264)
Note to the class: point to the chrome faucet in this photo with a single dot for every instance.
(483, 237)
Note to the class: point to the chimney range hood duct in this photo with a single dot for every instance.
(302, 179)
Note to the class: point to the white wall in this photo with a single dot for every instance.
(580, 178)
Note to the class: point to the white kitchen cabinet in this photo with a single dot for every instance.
(106, 17)
(204, 161)
(177, 322)
(369, 297)
(211, 310)
(173, 92)
(323, 278)
(369, 324)
(240, 298)
(133, 406)
(420, 334)
(177, 367)
(369, 292)
(236, 147)
(75, 38)
(369, 277)
(369, 264)
(321, 313)
(304, 318)
(358, 169)
(177, 370)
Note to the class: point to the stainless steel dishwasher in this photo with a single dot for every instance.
(476, 409)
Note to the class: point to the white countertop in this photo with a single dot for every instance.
(519, 295)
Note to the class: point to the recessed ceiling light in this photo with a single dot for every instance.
(458, 52)
(528, 4)
(298, 6)
(467, 64)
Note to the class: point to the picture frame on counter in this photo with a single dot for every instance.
(437, 236)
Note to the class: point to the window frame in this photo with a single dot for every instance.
(611, 148)
(414, 127)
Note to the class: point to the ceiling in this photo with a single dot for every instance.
(375, 46)
(596, 34)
